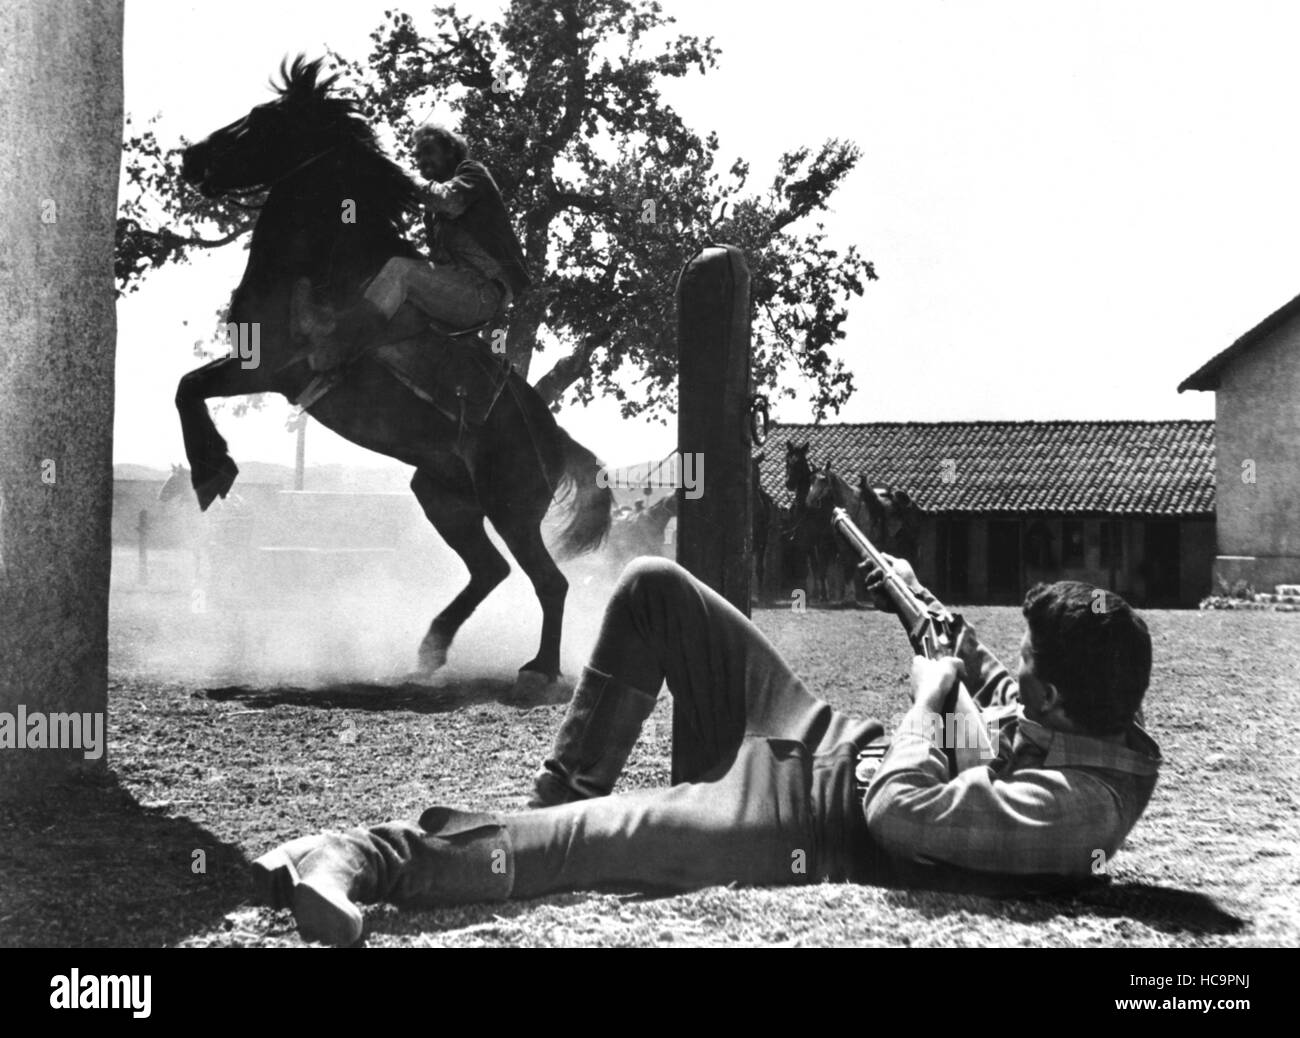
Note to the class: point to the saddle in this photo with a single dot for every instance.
(458, 374)
(452, 369)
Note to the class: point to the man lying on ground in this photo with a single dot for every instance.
(766, 784)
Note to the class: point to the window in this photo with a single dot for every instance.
(1072, 543)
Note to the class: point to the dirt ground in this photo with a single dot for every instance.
(227, 735)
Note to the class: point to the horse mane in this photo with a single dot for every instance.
(388, 189)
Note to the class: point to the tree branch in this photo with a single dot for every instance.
(568, 369)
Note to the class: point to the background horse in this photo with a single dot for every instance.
(641, 530)
(829, 491)
(809, 540)
(311, 152)
(204, 533)
(887, 516)
(899, 520)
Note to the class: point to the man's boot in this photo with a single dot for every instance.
(355, 328)
(329, 878)
(595, 739)
(454, 858)
(275, 873)
(333, 337)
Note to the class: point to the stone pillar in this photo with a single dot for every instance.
(60, 152)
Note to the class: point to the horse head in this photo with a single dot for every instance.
(308, 150)
(175, 485)
(798, 473)
(306, 126)
(263, 145)
(822, 491)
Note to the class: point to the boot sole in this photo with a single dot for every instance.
(325, 915)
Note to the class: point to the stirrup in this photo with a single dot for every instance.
(318, 387)
(457, 333)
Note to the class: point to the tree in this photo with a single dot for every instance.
(611, 190)
(61, 78)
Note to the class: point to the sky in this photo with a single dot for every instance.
(1070, 206)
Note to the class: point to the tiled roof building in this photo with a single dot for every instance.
(1113, 468)
(1126, 505)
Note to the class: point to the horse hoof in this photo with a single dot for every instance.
(430, 660)
(535, 688)
(218, 484)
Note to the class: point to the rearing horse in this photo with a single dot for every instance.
(315, 156)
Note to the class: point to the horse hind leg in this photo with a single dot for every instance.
(459, 521)
(523, 536)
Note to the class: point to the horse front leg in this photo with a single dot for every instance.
(212, 470)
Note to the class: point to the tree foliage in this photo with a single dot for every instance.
(611, 191)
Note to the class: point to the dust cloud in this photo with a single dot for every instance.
(321, 589)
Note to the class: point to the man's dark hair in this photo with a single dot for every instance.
(1094, 648)
(455, 144)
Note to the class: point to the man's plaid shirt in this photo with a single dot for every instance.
(1050, 802)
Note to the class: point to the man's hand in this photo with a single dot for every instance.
(932, 680)
(875, 582)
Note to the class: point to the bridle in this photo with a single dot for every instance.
(257, 189)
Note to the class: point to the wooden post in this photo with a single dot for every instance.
(714, 524)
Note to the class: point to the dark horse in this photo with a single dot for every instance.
(313, 154)
(887, 516)
(808, 536)
(828, 492)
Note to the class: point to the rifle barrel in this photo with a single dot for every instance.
(910, 607)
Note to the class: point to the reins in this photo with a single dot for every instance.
(258, 189)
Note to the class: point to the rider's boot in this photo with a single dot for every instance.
(600, 728)
(354, 328)
(331, 337)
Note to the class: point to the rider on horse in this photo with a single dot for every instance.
(477, 263)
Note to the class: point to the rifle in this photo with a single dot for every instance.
(932, 631)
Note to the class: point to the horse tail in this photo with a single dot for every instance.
(592, 504)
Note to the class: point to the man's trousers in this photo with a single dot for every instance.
(457, 296)
(763, 791)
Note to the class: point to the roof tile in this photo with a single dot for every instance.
(1161, 468)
